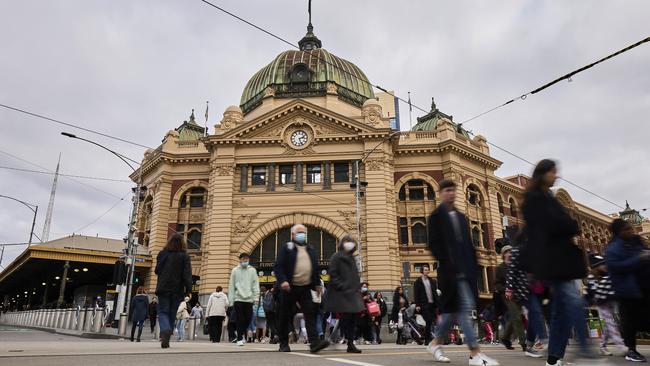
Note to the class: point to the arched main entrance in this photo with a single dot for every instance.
(264, 255)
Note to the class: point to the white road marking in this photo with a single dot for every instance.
(303, 354)
(351, 362)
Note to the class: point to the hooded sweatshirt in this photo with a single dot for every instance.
(217, 304)
(244, 285)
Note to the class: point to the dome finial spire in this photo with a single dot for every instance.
(309, 41)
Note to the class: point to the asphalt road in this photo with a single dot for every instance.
(33, 348)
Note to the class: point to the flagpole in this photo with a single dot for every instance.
(410, 111)
(207, 105)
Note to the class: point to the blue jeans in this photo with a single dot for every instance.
(180, 327)
(464, 316)
(536, 327)
(567, 313)
(167, 306)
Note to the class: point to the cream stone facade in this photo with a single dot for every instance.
(287, 155)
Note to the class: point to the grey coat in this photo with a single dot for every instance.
(343, 295)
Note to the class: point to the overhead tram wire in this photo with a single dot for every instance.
(33, 114)
(103, 214)
(66, 175)
(72, 179)
(521, 97)
(564, 77)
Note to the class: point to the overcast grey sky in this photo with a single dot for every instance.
(135, 69)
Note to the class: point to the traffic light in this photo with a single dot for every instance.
(119, 272)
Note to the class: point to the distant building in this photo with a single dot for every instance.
(286, 154)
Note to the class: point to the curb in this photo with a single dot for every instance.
(73, 334)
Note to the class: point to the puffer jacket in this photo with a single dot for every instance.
(217, 304)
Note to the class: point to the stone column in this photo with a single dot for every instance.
(64, 280)
(270, 181)
(327, 179)
(243, 184)
(299, 178)
(216, 269)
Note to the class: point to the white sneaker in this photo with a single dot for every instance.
(482, 360)
(438, 356)
(605, 352)
(240, 343)
(558, 363)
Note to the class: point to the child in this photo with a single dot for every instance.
(601, 293)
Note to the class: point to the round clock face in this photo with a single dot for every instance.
(299, 138)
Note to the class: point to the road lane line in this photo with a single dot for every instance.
(351, 362)
(303, 354)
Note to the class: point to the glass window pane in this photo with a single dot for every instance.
(476, 237)
(329, 246)
(416, 194)
(404, 235)
(180, 228)
(196, 200)
(284, 236)
(314, 239)
(403, 221)
(268, 249)
(341, 172)
(183, 201)
(259, 175)
(255, 255)
(286, 174)
(402, 193)
(313, 173)
(194, 240)
(431, 194)
(419, 233)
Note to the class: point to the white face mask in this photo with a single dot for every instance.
(349, 246)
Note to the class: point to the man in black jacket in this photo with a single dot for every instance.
(450, 243)
(425, 296)
(296, 271)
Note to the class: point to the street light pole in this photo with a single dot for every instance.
(130, 252)
(357, 193)
(34, 209)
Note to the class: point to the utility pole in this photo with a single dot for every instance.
(64, 280)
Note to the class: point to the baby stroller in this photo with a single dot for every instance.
(410, 326)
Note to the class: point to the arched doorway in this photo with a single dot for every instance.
(265, 252)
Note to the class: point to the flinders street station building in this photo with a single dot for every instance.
(288, 153)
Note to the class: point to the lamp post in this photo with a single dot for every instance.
(34, 209)
(131, 245)
(357, 192)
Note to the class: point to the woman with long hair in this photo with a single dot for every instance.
(174, 271)
(343, 295)
(139, 311)
(552, 255)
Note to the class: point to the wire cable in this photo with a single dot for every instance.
(66, 175)
(103, 214)
(16, 109)
(521, 97)
(72, 179)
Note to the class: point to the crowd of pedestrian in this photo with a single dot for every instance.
(543, 287)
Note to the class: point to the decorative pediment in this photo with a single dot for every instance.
(320, 122)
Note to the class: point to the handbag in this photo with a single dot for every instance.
(206, 330)
(373, 308)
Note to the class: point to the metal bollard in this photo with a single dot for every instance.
(88, 325)
(60, 317)
(55, 320)
(99, 319)
(39, 313)
(71, 317)
(41, 323)
(191, 328)
(156, 329)
(66, 319)
(50, 320)
(123, 323)
(81, 319)
(48, 316)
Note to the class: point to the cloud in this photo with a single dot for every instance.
(136, 69)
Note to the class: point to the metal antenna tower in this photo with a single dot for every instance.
(50, 206)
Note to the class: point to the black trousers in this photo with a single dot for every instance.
(633, 312)
(428, 312)
(244, 311)
(140, 325)
(152, 322)
(271, 324)
(215, 325)
(232, 331)
(302, 296)
(348, 326)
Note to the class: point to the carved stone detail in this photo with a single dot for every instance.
(238, 203)
(173, 216)
(269, 92)
(223, 169)
(324, 130)
(375, 164)
(243, 223)
(196, 217)
(350, 219)
(331, 88)
(371, 113)
(306, 151)
(231, 117)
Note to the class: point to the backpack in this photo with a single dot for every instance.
(268, 303)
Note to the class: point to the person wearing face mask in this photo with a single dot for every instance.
(296, 271)
(343, 291)
(243, 289)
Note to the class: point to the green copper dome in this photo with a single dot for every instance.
(306, 72)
